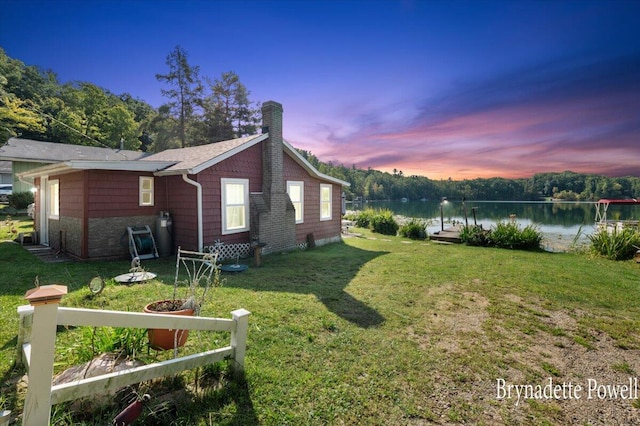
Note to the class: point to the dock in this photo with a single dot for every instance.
(449, 235)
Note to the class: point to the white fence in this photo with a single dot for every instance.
(36, 348)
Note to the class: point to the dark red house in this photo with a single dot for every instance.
(237, 192)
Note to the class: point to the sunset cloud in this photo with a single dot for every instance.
(552, 117)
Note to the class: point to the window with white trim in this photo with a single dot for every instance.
(295, 189)
(325, 201)
(235, 205)
(146, 191)
(54, 199)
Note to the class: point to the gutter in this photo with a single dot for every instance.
(199, 207)
(25, 181)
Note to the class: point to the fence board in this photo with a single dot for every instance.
(106, 318)
(112, 381)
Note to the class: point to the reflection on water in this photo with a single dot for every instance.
(563, 218)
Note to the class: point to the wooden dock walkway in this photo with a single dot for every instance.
(449, 235)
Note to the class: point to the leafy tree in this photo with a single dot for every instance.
(14, 117)
(16, 114)
(185, 90)
(118, 126)
(164, 128)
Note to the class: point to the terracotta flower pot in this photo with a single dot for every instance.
(163, 339)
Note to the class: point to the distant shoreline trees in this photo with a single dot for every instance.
(376, 185)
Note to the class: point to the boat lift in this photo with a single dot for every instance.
(602, 206)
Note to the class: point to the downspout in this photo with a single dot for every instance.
(199, 207)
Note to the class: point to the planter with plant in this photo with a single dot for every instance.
(202, 273)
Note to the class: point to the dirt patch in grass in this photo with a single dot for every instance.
(595, 380)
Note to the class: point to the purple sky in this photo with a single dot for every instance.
(459, 89)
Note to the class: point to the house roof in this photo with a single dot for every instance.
(28, 150)
(179, 161)
(73, 165)
(298, 158)
(193, 160)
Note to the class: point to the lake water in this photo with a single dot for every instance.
(563, 219)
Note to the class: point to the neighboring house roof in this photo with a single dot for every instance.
(5, 167)
(28, 150)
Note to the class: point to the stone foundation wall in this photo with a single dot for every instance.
(108, 237)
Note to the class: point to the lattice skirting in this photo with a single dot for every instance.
(242, 250)
(231, 251)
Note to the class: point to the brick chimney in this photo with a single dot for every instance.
(272, 213)
(272, 167)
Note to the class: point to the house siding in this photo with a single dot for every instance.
(247, 165)
(323, 231)
(96, 207)
(244, 165)
(19, 167)
(72, 194)
(67, 233)
(116, 194)
(182, 201)
(113, 206)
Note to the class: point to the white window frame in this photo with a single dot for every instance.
(146, 191)
(297, 204)
(53, 198)
(326, 203)
(224, 206)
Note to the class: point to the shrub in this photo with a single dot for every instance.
(509, 235)
(364, 218)
(20, 200)
(616, 245)
(503, 235)
(475, 236)
(384, 223)
(351, 215)
(414, 229)
(380, 221)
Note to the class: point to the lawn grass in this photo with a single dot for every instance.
(11, 224)
(375, 330)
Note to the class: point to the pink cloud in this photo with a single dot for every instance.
(591, 125)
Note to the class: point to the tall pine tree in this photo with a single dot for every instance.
(185, 90)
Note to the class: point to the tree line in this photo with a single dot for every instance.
(372, 184)
(199, 110)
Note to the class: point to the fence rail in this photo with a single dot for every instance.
(36, 348)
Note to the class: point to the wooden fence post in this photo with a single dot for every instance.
(25, 312)
(239, 337)
(45, 301)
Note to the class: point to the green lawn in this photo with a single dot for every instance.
(377, 330)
